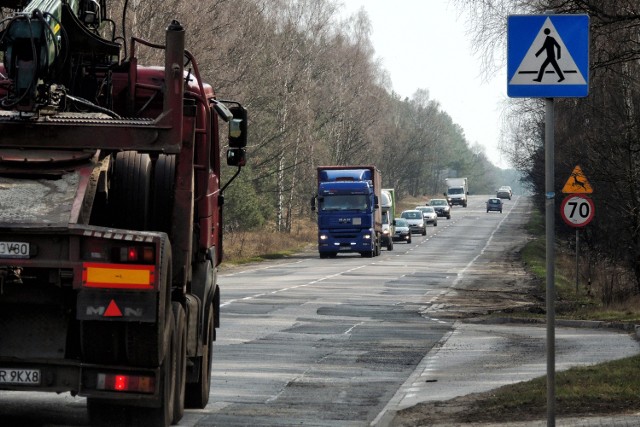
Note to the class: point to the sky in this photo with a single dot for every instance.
(424, 44)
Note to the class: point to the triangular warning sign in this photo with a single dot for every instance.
(577, 183)
(548, 61)
(112, 310)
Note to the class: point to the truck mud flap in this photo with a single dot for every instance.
(117, 305)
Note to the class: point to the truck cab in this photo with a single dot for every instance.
(349, 215)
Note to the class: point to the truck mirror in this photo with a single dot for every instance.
(222, 110)
(238, 127)
(375, 202)
(313, 203)
(236, 157)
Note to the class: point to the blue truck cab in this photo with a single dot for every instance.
(349, 215)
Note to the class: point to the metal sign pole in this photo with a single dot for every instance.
(550, 253)
(577, 259)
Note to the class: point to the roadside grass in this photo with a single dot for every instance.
(606, 388)
(243, 247)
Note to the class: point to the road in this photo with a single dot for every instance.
(347, 341)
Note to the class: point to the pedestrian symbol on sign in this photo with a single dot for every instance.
(550, 45)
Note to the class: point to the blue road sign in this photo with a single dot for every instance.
(547, 56)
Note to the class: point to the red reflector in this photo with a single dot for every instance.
(112, 310)
(126, 383)
(132, 254)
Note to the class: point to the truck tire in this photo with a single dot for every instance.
(162, 193)
(130, 191)
(197, 393)
(181, 358)
(390, 245)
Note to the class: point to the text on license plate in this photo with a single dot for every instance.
(20, 376)
(14, 250)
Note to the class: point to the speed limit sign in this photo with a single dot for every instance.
(577, 210)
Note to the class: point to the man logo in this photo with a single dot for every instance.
(112, 310)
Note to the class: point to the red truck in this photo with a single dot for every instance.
(110, 214)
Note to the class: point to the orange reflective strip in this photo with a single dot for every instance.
(96, 275)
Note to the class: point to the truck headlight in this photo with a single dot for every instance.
(367, 237)
(323, 237)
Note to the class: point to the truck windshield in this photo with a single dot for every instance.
(456, 191)
(344, 202)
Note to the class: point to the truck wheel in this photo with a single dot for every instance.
(130, 190)
(181, 358)
(390, 245)
(162, 192)
(197, 393)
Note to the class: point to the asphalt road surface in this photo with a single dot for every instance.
(347, 341)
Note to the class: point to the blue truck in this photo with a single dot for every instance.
(349, 214)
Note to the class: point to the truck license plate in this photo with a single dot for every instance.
(20, 376)
(14, 250)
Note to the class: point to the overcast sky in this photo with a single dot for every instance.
(423, 44)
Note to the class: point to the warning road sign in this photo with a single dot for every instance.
(548, 55)
(577, 183)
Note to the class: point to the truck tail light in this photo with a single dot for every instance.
(126, 383)
(141, 254)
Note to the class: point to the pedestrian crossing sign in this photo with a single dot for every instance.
(547, 56)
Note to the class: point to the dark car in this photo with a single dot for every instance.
(494, 204)
(403, 232)
(441, 207)
(504, 192)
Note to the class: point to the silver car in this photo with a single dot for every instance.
(429, 214)
(416, 221)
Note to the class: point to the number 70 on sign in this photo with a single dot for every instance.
(577, 210)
